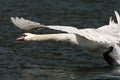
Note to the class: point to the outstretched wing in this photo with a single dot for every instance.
(28, 25)
(112, 29)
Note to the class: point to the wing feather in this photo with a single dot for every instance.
(25, 24)
(28, 25)
(117, 16)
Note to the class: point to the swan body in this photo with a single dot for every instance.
(105, 39)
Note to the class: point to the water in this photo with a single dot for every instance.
(53, 60)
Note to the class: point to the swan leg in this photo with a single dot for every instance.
(107, 57)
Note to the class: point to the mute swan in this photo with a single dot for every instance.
(105, 39)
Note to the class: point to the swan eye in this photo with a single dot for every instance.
(23, 35)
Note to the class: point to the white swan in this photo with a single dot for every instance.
(105, 39)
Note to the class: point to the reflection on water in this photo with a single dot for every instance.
(53, 60)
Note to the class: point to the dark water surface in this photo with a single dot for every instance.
(53, 60)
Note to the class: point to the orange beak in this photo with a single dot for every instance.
(21, 38)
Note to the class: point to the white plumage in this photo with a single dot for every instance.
(90, 39)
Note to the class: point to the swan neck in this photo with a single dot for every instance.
(56, 37)
(44, 37)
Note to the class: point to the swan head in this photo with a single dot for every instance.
(25, 37)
